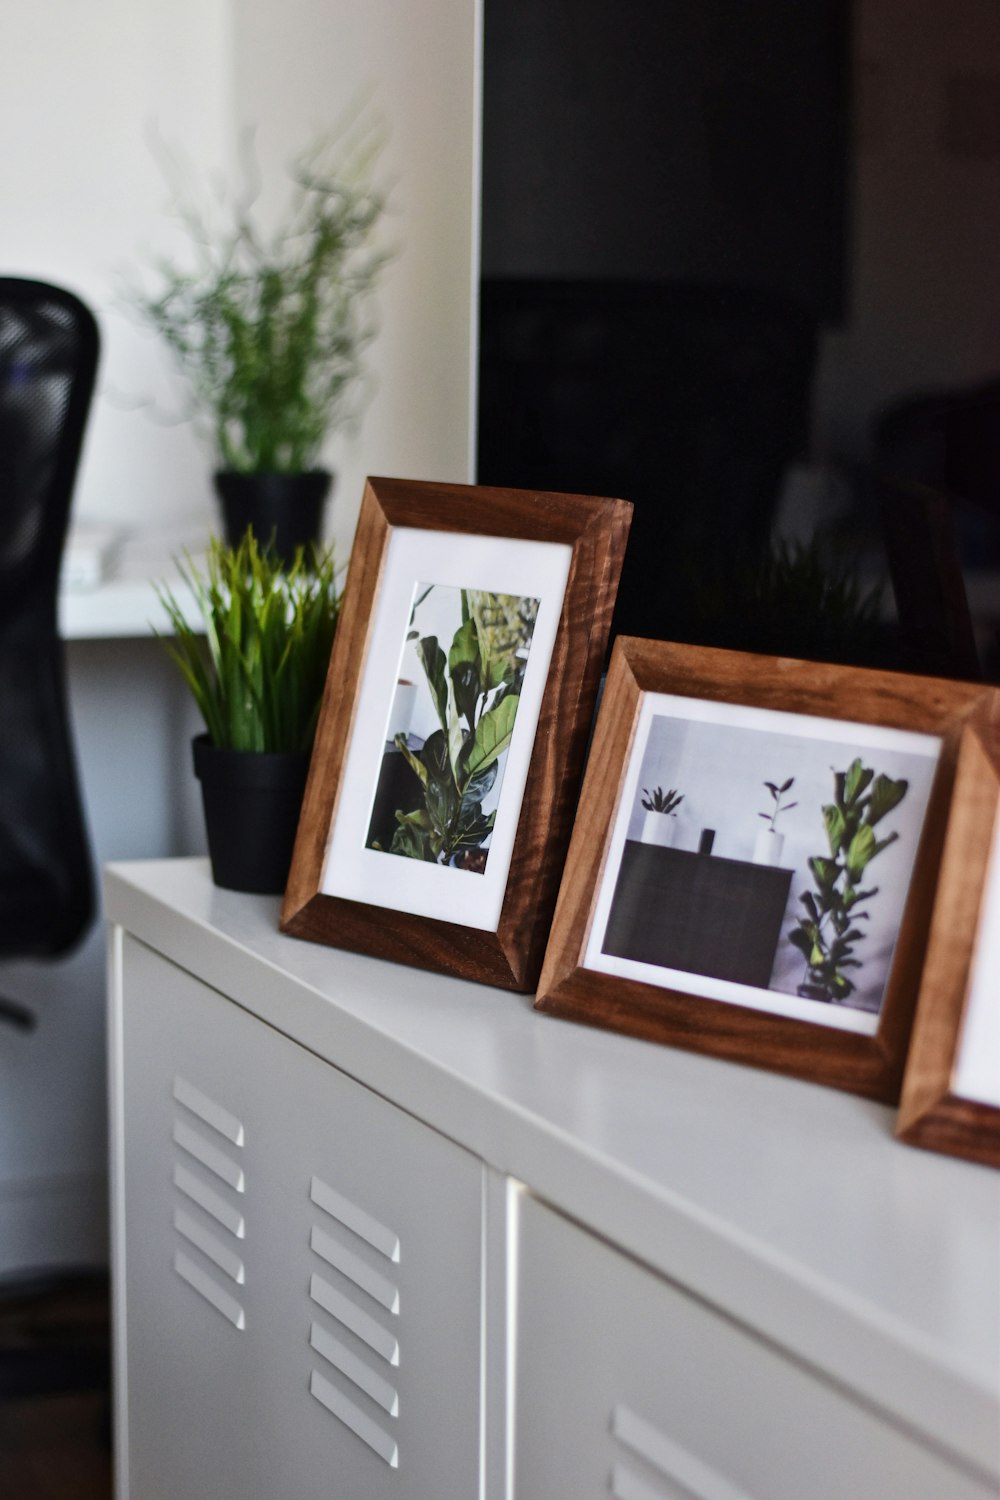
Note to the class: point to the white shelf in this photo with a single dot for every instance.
(124, 603)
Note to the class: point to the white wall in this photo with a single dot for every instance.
(81, 87)
(297, 65)
(84, 204)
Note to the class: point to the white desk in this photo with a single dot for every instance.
(124, 603)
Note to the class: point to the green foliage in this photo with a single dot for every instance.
(803, 582)
(777, 792)
(269, 331)
(258, 672)
(796, 599)
(660, 801)
(475, 688)
(826, 936)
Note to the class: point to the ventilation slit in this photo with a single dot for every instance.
(358, 1341)
(210, 1178)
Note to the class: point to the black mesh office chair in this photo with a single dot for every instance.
(53, 1335)
(48, 360)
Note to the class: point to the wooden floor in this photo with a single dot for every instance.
(54, 1446)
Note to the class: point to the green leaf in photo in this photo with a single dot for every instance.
(886, 795)
(435, 666)
(492, 737)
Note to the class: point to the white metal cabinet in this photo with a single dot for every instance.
(715, 1284)
(302, 1297)
(628, 1387)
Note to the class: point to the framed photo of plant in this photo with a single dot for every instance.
(451, 739)
(951, 1087)
(784, 922)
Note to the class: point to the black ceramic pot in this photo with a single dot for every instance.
(252, 801)
(285, 508)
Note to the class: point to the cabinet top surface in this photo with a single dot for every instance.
(786, 1203)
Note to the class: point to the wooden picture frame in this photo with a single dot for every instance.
(945, 1106)
(613, 958)
(449, 554)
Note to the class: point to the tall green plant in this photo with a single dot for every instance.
(269, 329)
(829, 932)
(257, 672)
(476, 690)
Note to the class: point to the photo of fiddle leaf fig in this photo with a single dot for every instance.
(813, 926)
(470, 648)
(828, 934)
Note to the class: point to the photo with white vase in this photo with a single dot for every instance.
(828, 772)
(660, 824)
(769, 843)
(767, 847)
(660, 828)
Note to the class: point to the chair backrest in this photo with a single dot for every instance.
(48, 361)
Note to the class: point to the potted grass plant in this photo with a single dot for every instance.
(257, 670)
(269, 330)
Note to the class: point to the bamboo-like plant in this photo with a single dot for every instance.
(827, 935)
(258, 671)
(269, 329)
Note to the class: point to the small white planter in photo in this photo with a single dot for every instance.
(767, 847)
(403, 703)
(659, 828)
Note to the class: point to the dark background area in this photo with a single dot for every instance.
(722, 248)
(668, 139)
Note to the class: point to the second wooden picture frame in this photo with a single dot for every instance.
(795, 950)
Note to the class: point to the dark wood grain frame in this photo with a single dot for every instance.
(867, 1065)
(930, 1114)
(596, 530)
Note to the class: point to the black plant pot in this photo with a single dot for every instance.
(284, 508)
(252, 801)
(811, 990)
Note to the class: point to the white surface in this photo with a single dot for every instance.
(88, 556)
(86, 204)
(680, 1398)
(337, 1332)
(788, 1206)
(124, 602)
